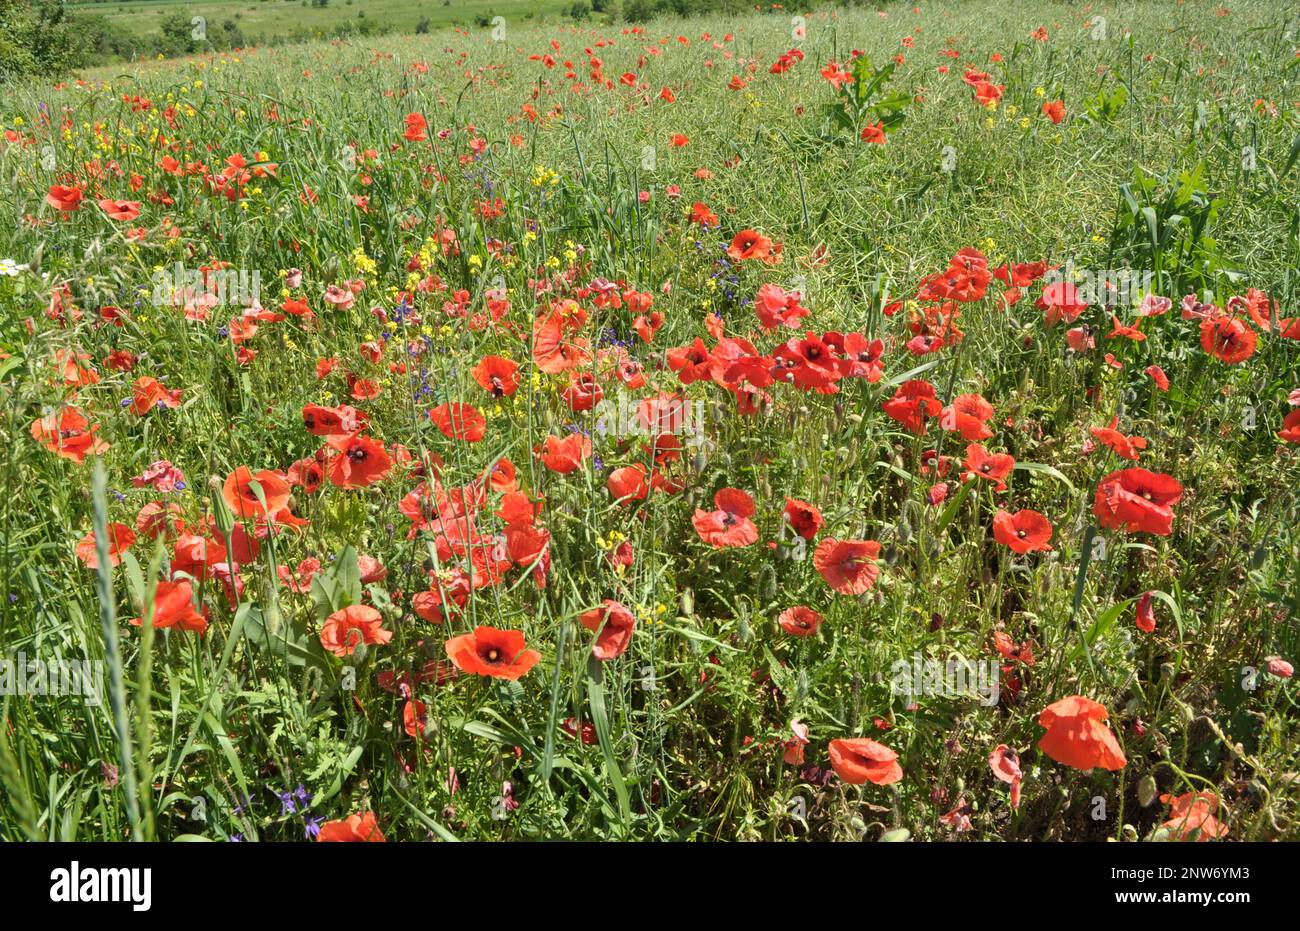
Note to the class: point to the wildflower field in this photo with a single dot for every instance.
(863, 424)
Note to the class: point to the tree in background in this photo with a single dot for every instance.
(36, 39)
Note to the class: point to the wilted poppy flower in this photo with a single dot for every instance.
(859, 759)
(1077, 736)
(615, 634)
(1137, 500)
(1145, 617)
(161, 476)
(1279, 667)
(729, 524)
(800, 621)
(1005, 764)
(173, 606)
(1024, 531)
(352, 829)
(348, 628)
(240, 497)
(1128, 447)
(1192, 816)
(491, 652)
(793, 754)
(848, 566)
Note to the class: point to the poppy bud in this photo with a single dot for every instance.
(221, 514)
(687, 602)
(1146, 789)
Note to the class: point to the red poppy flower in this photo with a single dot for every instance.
(1009, 649)
(359, 828)
(1077, 736)
(459, 421)
(64, 199)
(1158, 376)
(564, 455)
(614, 625)
(243, 501)
(120, 209)
(1005, 764)
(1137, 500)
(848, 566)
(173, 606)
(803, 517)
(800, 621)
(967, 415)
(120, 538)
(1228, 339)
(333, 421)
(993, 466)
(1290, 431)
(149, 393)
(1054, 110)
(729, 524)
(912, 403)
(348, 628)
(1024, 531)
(857, 760)
(628, 484)
(1118, 443)
(415, 718)
(1192, 816)
(491, 652)
(67, 433)
(358, 461)
(749, 244)
(497, 375)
